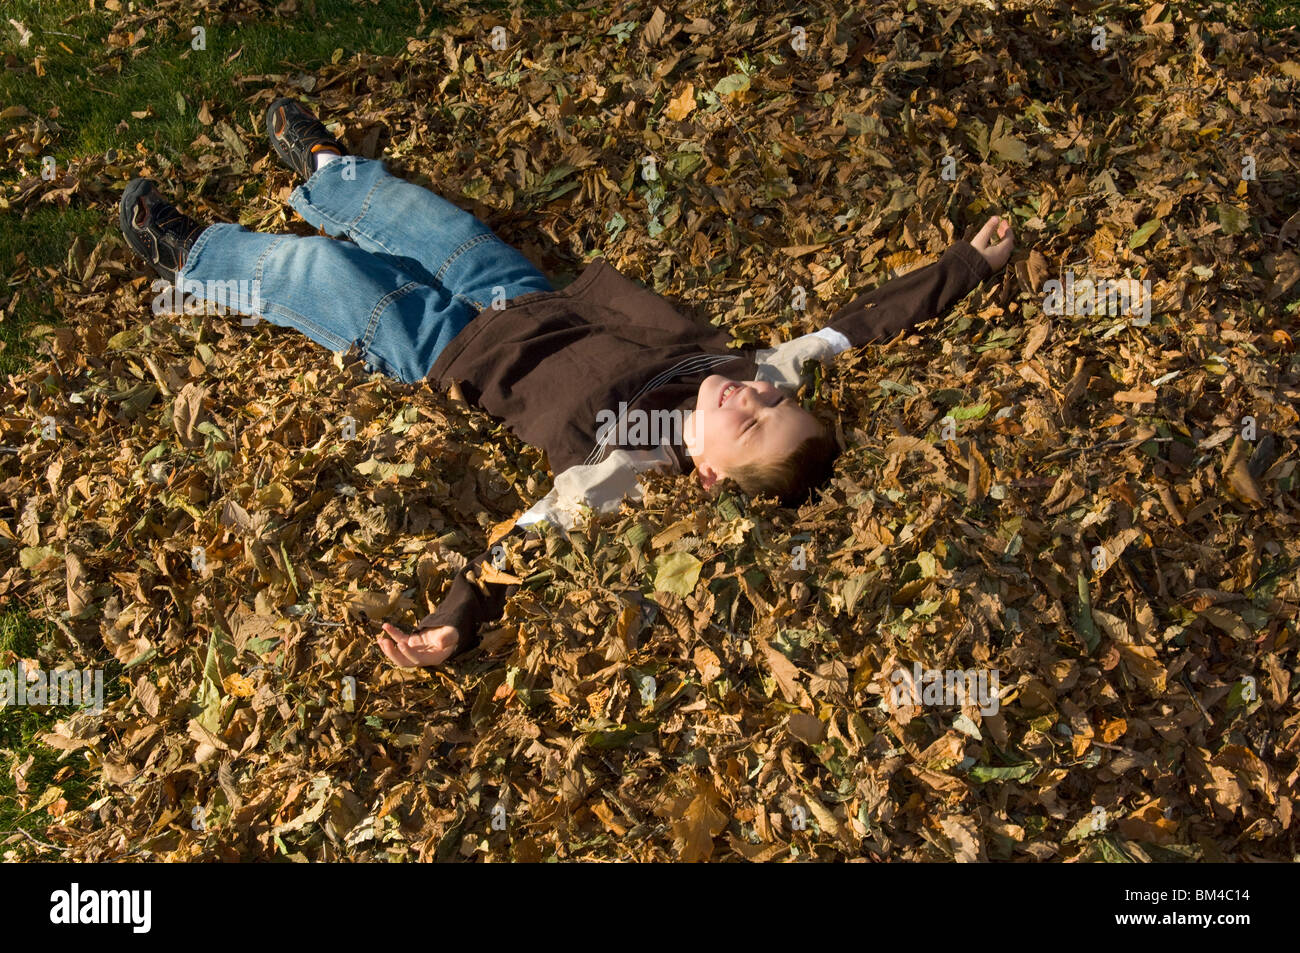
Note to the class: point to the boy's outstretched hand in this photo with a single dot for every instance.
(995, 242)
(421, 647)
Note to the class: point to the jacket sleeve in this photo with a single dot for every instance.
(921, 294)
(897, 305)
(471, 602)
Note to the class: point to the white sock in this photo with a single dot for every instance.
(325, 158)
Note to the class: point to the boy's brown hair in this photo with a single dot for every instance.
(792, 478)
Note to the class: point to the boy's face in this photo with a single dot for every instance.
(737, 423)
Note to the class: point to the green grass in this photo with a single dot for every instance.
(1278, 15)
(41, 239)
(20, 726)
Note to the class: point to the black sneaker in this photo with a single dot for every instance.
(155, 230)
(297, 136)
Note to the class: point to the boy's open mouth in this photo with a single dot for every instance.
(726, 392)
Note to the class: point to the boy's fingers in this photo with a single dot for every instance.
(395, 653)
(431, 640)
(402, 652)
(389, 648)
(985, 233)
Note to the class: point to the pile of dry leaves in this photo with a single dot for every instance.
(1097, 522)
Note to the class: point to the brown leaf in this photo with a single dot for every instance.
(807, 728)
(681, 105)
(187, 410)
(78, 588)
(1237, 470)
(699, 823)
(1141, 661)
(964, 836)
(786, 674)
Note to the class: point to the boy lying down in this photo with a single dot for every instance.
(425, 290)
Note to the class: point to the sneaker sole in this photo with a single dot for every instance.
(135, 190)
(285, 156)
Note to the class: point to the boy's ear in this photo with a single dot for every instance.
(708, 475)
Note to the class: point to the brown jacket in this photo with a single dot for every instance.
(550, 362)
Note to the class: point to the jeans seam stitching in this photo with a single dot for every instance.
(365, 205)
(460, 250)
(297, 318)
(261, 259)
(382, 305)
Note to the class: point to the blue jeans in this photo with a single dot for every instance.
(419, 271)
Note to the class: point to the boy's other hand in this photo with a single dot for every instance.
(421, 647)
(995, 242)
